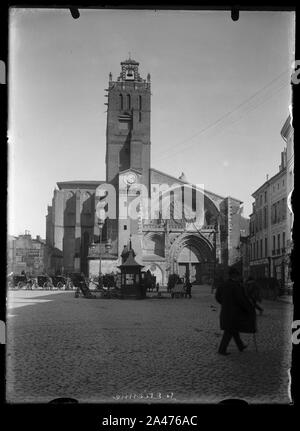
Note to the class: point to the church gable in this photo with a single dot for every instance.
(158, 177)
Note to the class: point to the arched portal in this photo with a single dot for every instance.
(193, 256)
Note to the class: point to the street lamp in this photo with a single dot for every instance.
(100, 225)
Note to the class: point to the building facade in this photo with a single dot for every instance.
(271, 220)
(287, 133)
(164, 238)
(27, 254)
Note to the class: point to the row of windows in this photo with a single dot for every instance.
(278, 242)
(259, 249)
(278, 211)
(259, 221)
(277, 186)
(86, 207)
(260, 218)
(262, 198)
(125, 102)
(259, 201)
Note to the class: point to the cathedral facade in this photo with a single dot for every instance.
(90, 223)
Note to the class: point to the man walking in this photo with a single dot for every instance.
(188, 288)
(237, 313)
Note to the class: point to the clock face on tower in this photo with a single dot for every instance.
(130, 178)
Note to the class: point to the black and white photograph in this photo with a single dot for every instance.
(149, 217)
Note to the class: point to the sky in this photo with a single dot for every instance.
(220, 96)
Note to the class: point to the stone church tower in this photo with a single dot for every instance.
(128, 123)
(127, 146)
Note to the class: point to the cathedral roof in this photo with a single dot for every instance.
(78, 184)
(182, 179)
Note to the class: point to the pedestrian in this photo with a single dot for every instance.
(152, 282)
(253, 293)
(157, 287)
(148, 281)
(50, 283)
(237, 313)
(188, 288)
(274, 288)
(143, 288)
(77, 292)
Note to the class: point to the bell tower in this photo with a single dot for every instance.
(128, 123)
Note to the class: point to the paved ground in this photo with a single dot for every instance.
(94, 350)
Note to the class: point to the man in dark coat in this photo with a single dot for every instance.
(237, 313)
(188, 288)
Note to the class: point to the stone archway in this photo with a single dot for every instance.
(192, 255)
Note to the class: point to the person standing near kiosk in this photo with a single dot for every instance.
(188, 288)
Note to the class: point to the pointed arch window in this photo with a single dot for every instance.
(87, 203)
(71, 203)
(121, 102)
(128, 101)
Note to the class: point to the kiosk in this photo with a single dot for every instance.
(132, 285)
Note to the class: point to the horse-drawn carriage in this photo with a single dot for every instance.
(22, 281)
(59, 281)
(176, 286)
(105, 287)
(17, 281)
(148, 280)
(45, 282)
(178, 291)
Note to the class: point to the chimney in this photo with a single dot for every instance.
(283, 160)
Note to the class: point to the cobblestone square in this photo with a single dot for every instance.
(102, 350)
